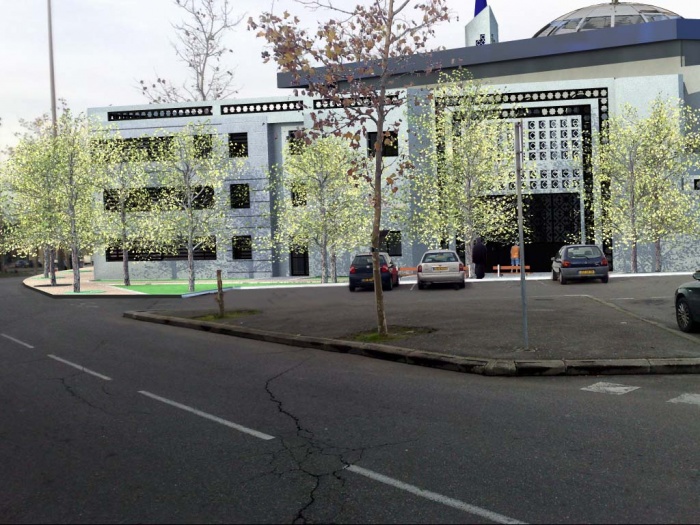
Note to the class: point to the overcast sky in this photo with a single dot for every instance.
(102, 48)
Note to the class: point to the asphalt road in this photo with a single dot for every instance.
(105, 419)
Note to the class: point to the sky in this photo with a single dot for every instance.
(102, 48)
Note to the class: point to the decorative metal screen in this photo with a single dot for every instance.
(554, 145)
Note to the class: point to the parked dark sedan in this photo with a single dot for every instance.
(579, 261)
(688, 305)
(361, 276)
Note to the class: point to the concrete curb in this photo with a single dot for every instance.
(470, 365)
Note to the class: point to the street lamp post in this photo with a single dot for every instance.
(51, 73)
(521, 235)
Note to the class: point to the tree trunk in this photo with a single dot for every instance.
(47, 261)
(190, 266)
(52, 266)
(376, 224)
(125, 266)
(125, 250)
(657, 246)
(75, 262)
(334, 266)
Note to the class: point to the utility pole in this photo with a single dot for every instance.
(50, 267)
(521, 235)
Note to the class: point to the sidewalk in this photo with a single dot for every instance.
(573, 330)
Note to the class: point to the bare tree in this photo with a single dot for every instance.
(200, 44)
(351, 62)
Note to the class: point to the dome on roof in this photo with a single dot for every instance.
(606, 15)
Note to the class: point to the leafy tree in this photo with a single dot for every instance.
(325, 208)
(350, 61)
(32, 203)
(127, 219)
(640, 166)
(464, 182)
(54, 189)
(193, 166)
(201, 46)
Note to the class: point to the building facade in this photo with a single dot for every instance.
(572, 76)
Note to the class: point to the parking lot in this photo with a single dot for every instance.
(629, 317)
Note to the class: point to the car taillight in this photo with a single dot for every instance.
(604, 262)
(565, 264)
(384, 268)
(352, 269)
(420, 268)
(461, 267)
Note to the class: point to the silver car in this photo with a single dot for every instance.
(441, 266)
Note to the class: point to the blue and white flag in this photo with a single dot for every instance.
(479, 6)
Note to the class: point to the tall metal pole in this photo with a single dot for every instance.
(53, 82)
(521, 235)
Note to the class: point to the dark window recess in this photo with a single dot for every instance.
(237, 144)
(696, 184)
(152, 147)
(299, 195)
(203, 146)
(243, 247)
(299, 262)
(202, 197)
(240, 196)
(296, 142)
(114, 253)
(136, 199)
(390, 144)
(390, 242)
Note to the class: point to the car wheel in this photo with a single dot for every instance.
(604, 279)
(683, 317)
(389, 286)
(554, 276)
(421, 286)
(462, 285)
(562, 279)
(351, 288)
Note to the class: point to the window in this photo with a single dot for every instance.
(203, 146)
(237, 144)
(696, 184)
(243, 247)
(296, 142)
(201, 253)
(299, 195)
(390, 242)
(390, 145)
(240, 196)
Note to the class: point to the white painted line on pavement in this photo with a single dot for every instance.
(81, 368)
(216, 419)
(438, 498)
(610, 388)
(16, 341)
(691, 399)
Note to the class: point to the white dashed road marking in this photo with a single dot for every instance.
(81, 368)
(439, 498)
(692, 399)
(16, 341)
(216, 419)
(610, 388)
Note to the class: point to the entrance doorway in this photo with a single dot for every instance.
(299, 263)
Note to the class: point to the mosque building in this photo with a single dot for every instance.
(571, 76)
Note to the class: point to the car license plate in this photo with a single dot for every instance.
(586, 272)
(370, 280)
(439, 268)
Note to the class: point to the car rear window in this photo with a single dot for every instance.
(440, 257)
(582, 252)
(364, 260)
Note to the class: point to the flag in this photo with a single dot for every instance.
(479, 6)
